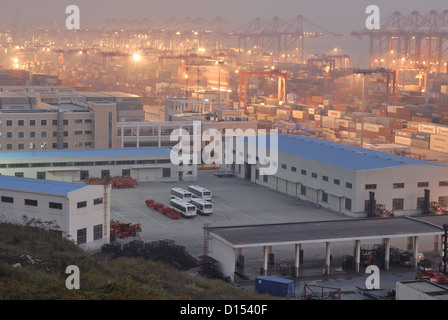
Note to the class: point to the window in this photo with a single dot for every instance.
(30, 202)
(32, 134)
(21, 123)
(81, 204)
(55, 205)
(398, 185)
(324, 196)
(77, 133)
(8, 134)
(43, 122)
(43, 134)
(21, 146)
(314, 175)
(78, 120)
(105, 173)
(32, 146)
(370, 186)
(257, 174)
(126, 172)
(54, 122)
(303, 190)
(337, 181)
(348, 185)
(21, 134)
(9, 146)
(303, 172)
(9, 123)
(32, 123)
(422, 184)
(166, 172)
(398, 204)
(54, 134)
(443, 201)
(65, 122)
(98, 232)
(43, 145)
(284, 166)
(443, 183)
(7, 199)
(97, 201)
(65, 133)
(88, 121)
(421, 203)
(81, 236)
(265, 178)
(41, 175)
(325, 178)
(348, 204)
(88, 132)
(293, 169)
(83, 175)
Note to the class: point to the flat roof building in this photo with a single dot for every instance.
(340, 177)
(142, 164)
(82, 212)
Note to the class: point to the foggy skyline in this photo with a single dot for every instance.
(342, 16)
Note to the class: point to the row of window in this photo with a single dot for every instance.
(81, 234)
(44, 134)
(82, 163)
(44, 122)
(315, 176)
(44, 145)
(51, 205)
(400, 185)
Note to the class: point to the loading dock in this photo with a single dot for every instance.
(223, 242)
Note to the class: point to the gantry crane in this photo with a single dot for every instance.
(282, 83)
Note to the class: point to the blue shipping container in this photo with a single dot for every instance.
(420, 136)
(275, 286)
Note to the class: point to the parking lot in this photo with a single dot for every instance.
(240, 202)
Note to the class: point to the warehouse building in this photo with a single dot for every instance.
(340, 177)
(81, 211)
(142, 164)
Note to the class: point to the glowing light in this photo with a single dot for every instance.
(137, 57)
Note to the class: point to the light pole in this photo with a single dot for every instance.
(363, 73)
(403, 60)
(219, 82)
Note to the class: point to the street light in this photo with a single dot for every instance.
(363, 73)
(219, 81)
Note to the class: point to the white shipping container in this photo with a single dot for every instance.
(311, 110)
(317, 117)
(438, 138)
(392, 109)
(403, 140)
(334, 113)
(297, 114)
(427, 128)
(372, 127)
(442, 130)
(342, 123)
(437, 146)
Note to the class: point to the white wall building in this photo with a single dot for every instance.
(81, 211)
(339, 177)
(142, 164)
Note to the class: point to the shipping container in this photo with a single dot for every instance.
(420, 144)
(334, 114)
(275, 286)
(442, 130)
(427, 128)
(403, 140)
(439, 138)
(420, 136)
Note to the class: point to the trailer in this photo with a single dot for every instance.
(120, 182)
(275, 286)
(165, 210)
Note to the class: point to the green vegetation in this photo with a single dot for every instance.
(33, 261)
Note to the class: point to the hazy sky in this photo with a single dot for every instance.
(340, 16)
